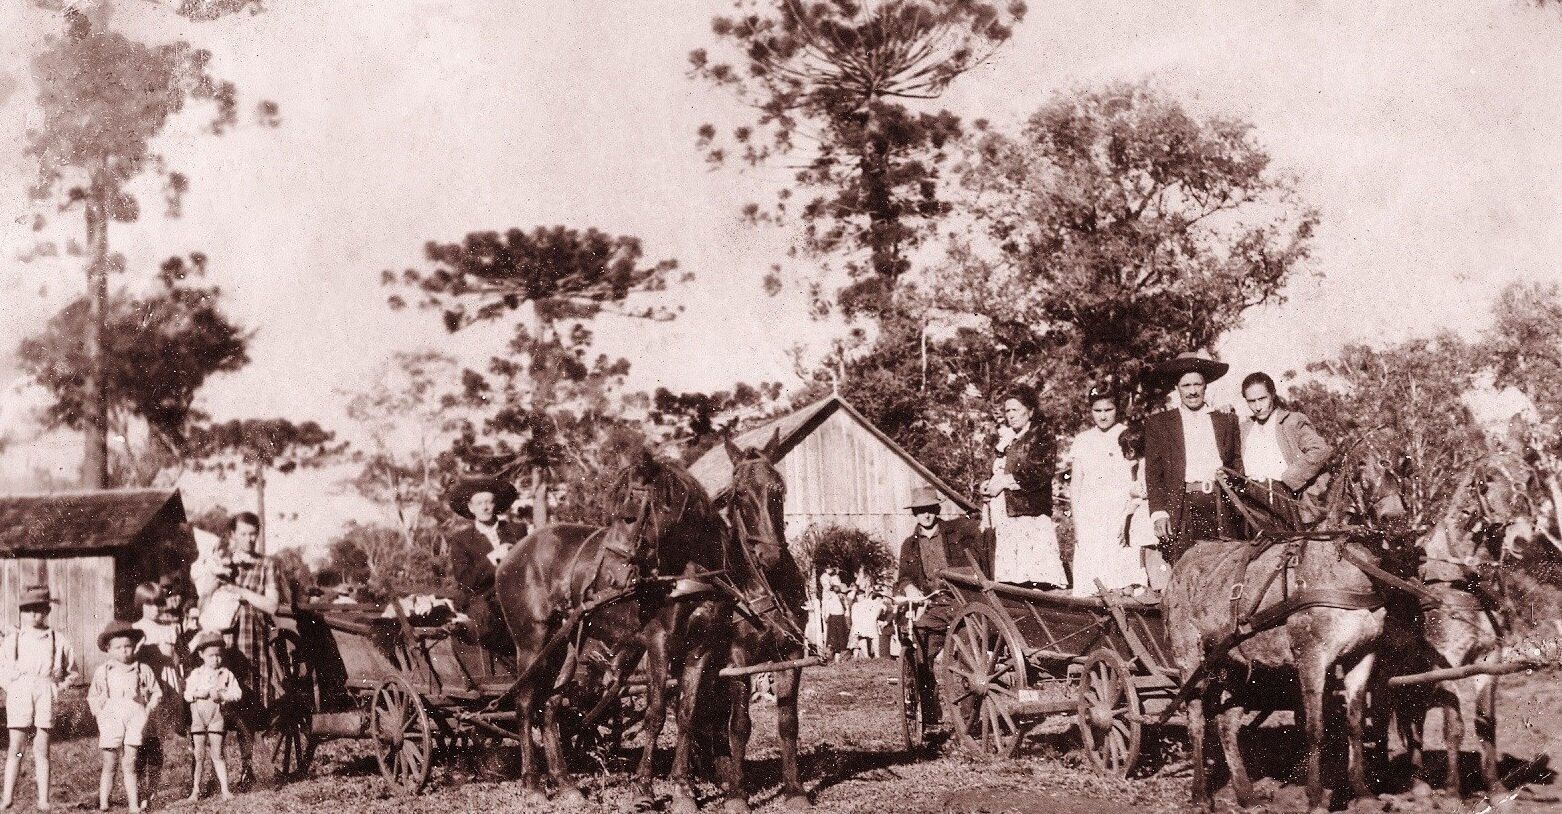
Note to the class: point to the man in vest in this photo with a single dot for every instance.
(1185, 449)
(936, 544)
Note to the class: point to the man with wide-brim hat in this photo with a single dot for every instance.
(1185, 449)
(477, 548)
(936, 544)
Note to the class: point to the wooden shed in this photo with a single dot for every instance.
(840, 470)
(92, 548)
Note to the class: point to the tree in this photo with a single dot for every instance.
(103, 98)
(256, 446)
(698, 421)
(157, 353)
(1524, 350)
(549, 391)
(377, 557)
(408, 417)
(839, 75)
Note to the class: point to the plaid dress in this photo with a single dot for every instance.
(249, 641)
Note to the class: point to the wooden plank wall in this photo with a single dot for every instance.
(842, 475)
(83, 589)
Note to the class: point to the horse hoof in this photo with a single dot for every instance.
(796, 802)
(1420, 790)
(570, 796)
(683, 803)
(735, 807)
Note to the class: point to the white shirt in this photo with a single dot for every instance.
(1200, 453)
(1261, 458)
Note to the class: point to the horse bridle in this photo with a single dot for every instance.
(761, 605)
(750, 538)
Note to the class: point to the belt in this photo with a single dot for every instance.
(1204, 486)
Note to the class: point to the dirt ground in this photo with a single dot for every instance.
(853, 763)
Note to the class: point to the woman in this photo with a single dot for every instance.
(249, 640)
(1102, 481)
(1137, 528)
(1020, 498)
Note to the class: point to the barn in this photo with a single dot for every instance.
(92, 548)
(840, 470)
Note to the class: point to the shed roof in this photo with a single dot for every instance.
(68, 522)
(714, 469)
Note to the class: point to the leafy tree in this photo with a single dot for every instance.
(408, 416)
(257, 446)
(851, 550)
(698, 421)
(1524, 350)
(548, 395)
(292, 573)
(157, 353)
(836, 77)
(378, 557)
(1403, 401)
(103, 98)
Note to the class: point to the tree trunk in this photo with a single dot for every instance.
(260, 509)
(94, 461)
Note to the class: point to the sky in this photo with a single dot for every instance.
(1426, 134)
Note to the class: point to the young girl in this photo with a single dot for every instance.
(207, 688)
(124, 691)
(159, 650)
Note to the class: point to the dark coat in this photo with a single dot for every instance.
(1165, 461)
(1032, 461)
(469, 564)
(959, 535)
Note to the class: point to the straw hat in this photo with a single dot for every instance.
(1190, 362)
(208, 638)
(503, 491)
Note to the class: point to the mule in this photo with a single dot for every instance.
(1459, 561)
(638, 588)
(1309, 642)
(769, 627)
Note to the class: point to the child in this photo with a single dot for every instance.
(124, 691)
(161, 633)
(35, 664)
(207, 688)
(866, 613)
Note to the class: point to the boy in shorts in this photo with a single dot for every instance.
(124, 691)
(207, 688)
(35, 664)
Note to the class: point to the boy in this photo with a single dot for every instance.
(207, 688)
(123, 693)
(35, 664)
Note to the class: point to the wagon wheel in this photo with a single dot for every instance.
(1109, 713)
(403, 735)
(984, 672)
(290, 734)
(913, 733)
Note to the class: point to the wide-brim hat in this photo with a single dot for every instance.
(503, 491)
(1190, 362)
(118, 629)
(207, 638)
(35, 596)
(925, 495)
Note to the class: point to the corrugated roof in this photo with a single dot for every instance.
(714, 469)
(81, 521)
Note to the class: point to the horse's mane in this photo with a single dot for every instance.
(670, 484)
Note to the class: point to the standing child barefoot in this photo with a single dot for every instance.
(35, 663)
(123, 692)
(207, 688)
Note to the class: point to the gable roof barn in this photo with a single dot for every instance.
(839, 469)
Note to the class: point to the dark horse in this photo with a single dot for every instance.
(639, 588)
(768, 626)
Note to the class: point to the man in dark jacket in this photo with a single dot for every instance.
(936, 544)
(1184, 450)
(477, 549)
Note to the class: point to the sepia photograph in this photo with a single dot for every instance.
(906, 406)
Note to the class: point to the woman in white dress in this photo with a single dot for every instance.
(1020, 498)
(1138, 529)
(1102, 485)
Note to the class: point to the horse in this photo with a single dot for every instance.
(638, 587)
(1310, 641)
(769, 628)
(1459, 565)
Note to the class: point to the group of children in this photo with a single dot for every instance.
(856, 616)
(127, 695)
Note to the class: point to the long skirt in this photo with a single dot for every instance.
(1026, 548)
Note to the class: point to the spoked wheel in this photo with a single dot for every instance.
(1109, 713)
(403, 735)
(984, 672)
(290, 736)
(913, 733)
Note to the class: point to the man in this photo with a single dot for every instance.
(935, 545)
(477, 549)
(1283, 453)
(1184, 450)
